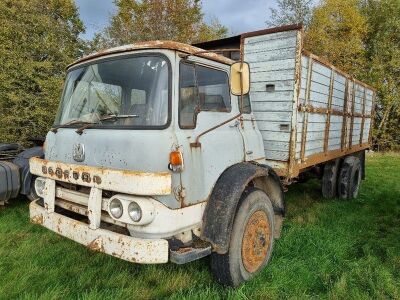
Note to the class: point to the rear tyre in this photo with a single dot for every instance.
(252, 240)
(330, 178)
(349, 178)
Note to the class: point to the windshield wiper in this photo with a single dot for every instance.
(105, 118)
(116, 117)
(72, 122)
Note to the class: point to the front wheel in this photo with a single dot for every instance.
(251, 241)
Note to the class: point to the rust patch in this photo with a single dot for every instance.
(37, 219)
(171, 45)
(256, 241)
(184, 250)
(96, 245)
(93, 176)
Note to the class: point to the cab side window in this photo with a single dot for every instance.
(214, 90)
(188, 96)
(201, 88)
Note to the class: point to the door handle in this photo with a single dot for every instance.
(236, 124)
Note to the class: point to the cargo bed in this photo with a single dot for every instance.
(307, 110)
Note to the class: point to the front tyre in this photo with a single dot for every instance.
(251, 241)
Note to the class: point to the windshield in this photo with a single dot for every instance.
(131, 91)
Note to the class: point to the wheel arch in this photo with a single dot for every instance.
(221, 206)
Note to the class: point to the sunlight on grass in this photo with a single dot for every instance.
(329, 249)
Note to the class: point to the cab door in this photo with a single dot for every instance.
(204, 102)
(252, 138)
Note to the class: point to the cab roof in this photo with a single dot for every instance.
(185, 48)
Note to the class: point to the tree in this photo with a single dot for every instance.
(291, 12)
(383, 55)
(178, 20)
(37, 41)
(362, 37)
(337, 32)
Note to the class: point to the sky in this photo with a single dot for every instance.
(237, 15)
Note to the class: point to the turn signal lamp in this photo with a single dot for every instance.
(175, 161)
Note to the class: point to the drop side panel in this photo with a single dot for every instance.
(334, 113)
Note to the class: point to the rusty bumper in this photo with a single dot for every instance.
(116, 180)
(144, 251)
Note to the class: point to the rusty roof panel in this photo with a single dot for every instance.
(158, 45)
(236, 39)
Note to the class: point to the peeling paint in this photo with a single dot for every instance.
(124, 181)
(147, 251)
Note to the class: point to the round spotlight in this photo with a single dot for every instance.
(116, 208)
(134, 211)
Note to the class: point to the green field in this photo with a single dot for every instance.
(329, 249)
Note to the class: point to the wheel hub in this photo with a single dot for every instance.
(256, 241)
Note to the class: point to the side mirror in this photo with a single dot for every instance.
(240, 78)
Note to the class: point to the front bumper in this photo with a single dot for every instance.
(144, 251)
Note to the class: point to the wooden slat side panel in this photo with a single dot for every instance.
(327, 98)
(367, 127)
(335, 133)
(272, 60)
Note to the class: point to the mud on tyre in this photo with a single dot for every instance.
(251, 240)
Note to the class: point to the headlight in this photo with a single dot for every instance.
(40, 184)
(116, 208)
(134, 211)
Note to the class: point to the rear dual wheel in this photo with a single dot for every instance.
(343, 180)
(330, 179)
(349, 178)
(251, 241)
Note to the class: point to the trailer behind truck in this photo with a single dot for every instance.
(163, 151)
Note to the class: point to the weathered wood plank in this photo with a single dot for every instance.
(273, 65)
(276, 146)
(283, 126)
(275, 136)
(277, 155)
(281, 85)
(272, 76)
(321, 69)
(272, 106)
(275, 44)
(319, 88)
(270, 37)
(267, 97)
(269, 55)
(273, 116)
(321, 79)
(309, 152)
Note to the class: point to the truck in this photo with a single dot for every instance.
(15, 178)
(168, 152)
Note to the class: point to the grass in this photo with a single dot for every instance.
(329, 249)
